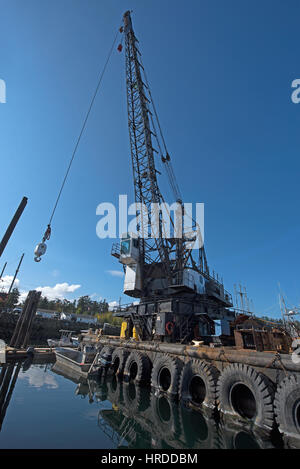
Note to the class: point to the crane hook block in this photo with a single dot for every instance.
(41, 248)
(40, 251)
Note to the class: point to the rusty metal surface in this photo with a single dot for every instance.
(263, 340)
(272, 360)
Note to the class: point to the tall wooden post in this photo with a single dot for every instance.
(16, 273)
(2, 271)
(23, 327)
(12, 225)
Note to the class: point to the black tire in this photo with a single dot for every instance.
(137, 367)
(118, 360)
(287, 406)
(198, 384)
(246, 395)
(165, 374)
(165, 417)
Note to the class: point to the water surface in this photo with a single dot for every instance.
(44, 407)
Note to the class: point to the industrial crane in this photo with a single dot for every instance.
(179, 299)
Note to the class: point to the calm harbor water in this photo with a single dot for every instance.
(43, 407)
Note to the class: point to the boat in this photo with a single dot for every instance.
(66, 340)
(75, 360)
(2, 352)
(77, 376)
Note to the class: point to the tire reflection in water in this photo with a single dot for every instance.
(133, 416)
(141, 419)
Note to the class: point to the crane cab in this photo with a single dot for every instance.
(130, 257)
(129, 249)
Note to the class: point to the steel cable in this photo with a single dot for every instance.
(83, 126)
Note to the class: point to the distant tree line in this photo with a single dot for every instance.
(84, 305)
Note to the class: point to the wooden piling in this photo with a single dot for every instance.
(12, 225)
(21, 335)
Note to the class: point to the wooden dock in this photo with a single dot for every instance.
(40, 353)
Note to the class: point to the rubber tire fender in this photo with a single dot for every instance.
(208, 374)
(287, 406)
(260, 386)
(174, 366)
(121, 354)
(143, 367)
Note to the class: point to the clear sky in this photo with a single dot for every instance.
(220, 73)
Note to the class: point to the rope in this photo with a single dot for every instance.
(276, 358)
(83, 127)
(222, 353)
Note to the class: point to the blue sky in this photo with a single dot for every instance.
(220, 74)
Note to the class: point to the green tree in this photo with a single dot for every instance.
(13, 298)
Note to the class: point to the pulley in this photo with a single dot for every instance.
(40, 251)
(42, 247)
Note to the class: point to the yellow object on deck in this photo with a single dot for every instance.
(134, 334)
(124, 327)
(123, 330)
